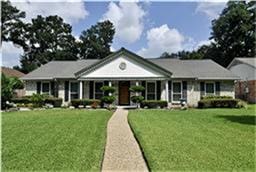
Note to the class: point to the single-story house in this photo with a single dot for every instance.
(245, 69)
(163, 79)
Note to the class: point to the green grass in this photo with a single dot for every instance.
(209, 139)
(70, 140)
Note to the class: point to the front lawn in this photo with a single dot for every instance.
(56, 140)
(207, 139)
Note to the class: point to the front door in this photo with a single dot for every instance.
(124, 93)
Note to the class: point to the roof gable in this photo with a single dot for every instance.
(125, 54)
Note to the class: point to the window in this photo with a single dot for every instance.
(97, 91)
(209, 88)
(177, 94)
(46, 88)
(74, 93)
(151, 90)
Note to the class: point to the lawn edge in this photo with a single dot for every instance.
(139, 144)
(105, 144)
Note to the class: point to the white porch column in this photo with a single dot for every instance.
(137, 84)
(166, 91)
(80, 89)
(110, 84)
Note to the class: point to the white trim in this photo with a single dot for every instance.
(180, 90)
(94, 82)
(69, 90)
(41, 91)
(81, 89)
(214, 87)
(167, 91)
(146, 93)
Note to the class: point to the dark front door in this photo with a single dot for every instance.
(124, 93)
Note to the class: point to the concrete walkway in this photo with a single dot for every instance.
(122, 152)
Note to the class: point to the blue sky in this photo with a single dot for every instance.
(146, 28)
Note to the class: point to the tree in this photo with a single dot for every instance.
(11, 23)
(47, 39)
(234, 32)
(8, 85)
(95, 42)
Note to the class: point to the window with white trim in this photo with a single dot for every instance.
(97, 90)
(151, 90)
(176, 91)
(209, 88)
(46, 88)
(74, 90)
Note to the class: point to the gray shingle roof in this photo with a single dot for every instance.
(197, 69)
(59, 69)
(246, 60)
(200, 69)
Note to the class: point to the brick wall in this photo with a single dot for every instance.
(246, 90)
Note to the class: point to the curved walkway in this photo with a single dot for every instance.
(122, 152)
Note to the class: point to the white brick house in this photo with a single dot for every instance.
(163, 79)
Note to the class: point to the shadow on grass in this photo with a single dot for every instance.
(242, 119)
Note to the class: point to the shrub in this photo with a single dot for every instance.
(21, 100)
(221, 103)
(108, 89)
(37, 100)
(137, 99)
(108, 99)
(217, 97)
(56, 102)
(154, 103)
(85, 102)
(137, 88)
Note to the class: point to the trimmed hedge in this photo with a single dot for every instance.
(21, 100)
(85, 102)
(154, 103)
(221, 103)
(56, 102)
(216, 97)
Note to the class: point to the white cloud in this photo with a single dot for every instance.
(210, 9)
(10, 54)
(204, 42)
(162, 39)
(127, 18)
(70, 11)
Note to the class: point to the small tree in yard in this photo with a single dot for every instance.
(109, 98)
(8, 85)
(137, 98)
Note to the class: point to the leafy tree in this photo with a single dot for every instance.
(8, 85)
(47, 39)
(11, 23)
(95, 42)
(234, 32)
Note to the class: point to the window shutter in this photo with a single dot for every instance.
(170, 90)
(143, 83)
(217, 86)
(202, 91)
(66, 90)
(52, 88)
(184, 89)
(158, 90)
(38, 87)
(106, 83)
(91, 88)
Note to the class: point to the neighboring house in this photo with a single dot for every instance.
(14, 73)
(245, 68)
(163, 79)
